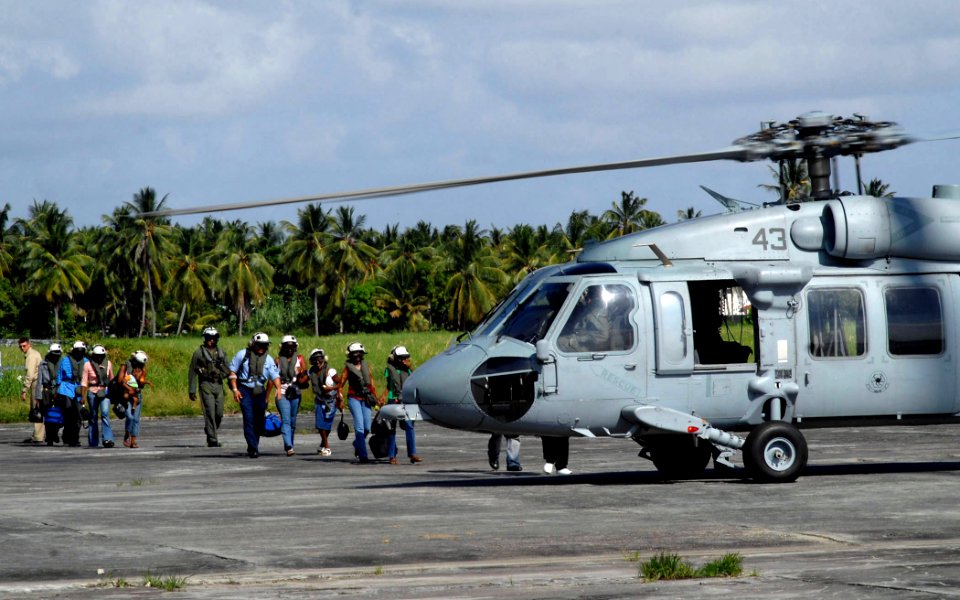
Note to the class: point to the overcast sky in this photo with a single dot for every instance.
(214, 102)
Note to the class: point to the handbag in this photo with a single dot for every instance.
(271, 425)
(35, 416)
(343, 430)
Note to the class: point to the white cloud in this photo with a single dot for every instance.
(187, 57)
(18, 57)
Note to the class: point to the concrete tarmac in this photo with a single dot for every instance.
(875, 515)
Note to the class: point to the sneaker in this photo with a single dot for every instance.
(564, 471)
(290, 452)
(326, 452)
(495, 464)
(514, 468)
(108, 444)
(215, 444)
(363, 460)
(548, 468)
(253, 454)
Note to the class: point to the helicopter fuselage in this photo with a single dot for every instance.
(848, 305)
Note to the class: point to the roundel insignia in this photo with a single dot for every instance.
(878, 382)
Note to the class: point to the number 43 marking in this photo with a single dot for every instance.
(774, 238)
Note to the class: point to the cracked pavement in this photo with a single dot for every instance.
(875, 515)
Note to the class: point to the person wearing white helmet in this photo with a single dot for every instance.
(133, 377)
(69, 374)
(252, 370)
(361, 396)
(208, 365)
(323, 381)
(46, 391)
(397, 371)
(97, 373)
(293, 371)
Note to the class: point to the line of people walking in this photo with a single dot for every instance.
(68, 391)
(255, 377)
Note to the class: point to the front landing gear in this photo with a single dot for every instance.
(775, 452)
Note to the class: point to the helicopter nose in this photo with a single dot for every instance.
(441, 387)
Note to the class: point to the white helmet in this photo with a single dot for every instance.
(211, 332)
(56, 348)
(318, 352)
(78, 345)
(399, 352)
(356, 347)
(140, 356)
(289, 339)
(260, 338)
(98, 350)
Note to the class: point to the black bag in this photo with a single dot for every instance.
(378, 445)
(343, 430)
(84, 412)
(36, 415)
(120, 409)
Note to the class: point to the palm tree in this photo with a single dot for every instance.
(626, 217)
(57, 268)
(350, 258)
(152, 246)
(795, 180)
(523, 252)
(304, 252)
(878, 189)
(399, 293)
(688, 213)
(5, 257)
(190, 273)
(244, 276)
(477, 278)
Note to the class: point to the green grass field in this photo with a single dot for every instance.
(170, 357)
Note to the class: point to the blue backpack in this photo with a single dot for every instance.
(54, 415)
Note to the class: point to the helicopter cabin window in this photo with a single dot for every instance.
(600, 321)
(722, 323)
(914, 321)
(836, 323)
(533, 317)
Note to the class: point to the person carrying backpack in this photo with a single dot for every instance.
(397, 371)
(69, 401)
(46, 393)
(133, 378)
(97, 373)
(209, 366)
(251, 370)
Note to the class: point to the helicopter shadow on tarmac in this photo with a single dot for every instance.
(735, 476)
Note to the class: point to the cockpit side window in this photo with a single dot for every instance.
(533, 318)
(600, 321)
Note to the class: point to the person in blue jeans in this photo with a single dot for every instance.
(323, 380)
(251, 370)
(361, 396)
(97, 372)
(133, 376)
(397, 371)
(291, 367)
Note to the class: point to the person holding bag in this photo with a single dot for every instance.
(397, 371)
(361, 396)
(292, 368)
(251, 371)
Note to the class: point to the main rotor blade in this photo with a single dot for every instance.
(730, 153)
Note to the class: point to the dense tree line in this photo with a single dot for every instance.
(325, 272)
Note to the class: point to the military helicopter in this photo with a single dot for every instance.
(852, 300)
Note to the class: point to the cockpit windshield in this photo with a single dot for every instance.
(535, 314)
(509, 304)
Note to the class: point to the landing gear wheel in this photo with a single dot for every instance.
(775, 452)
(680, 457)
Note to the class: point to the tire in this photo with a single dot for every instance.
(775, 452)
(680, 457)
